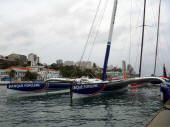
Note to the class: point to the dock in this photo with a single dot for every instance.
(162, 118)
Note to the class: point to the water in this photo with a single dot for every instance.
(134, 108)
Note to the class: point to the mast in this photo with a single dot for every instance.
(156, 52)
(164, 72)
(143, 33)
(109, 40)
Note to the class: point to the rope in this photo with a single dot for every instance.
(98, 26)
(130, 37)
(90, 32)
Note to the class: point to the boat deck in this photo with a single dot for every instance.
(161, 119)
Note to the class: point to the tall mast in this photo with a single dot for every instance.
(156, 52)
(143, 33)
(109, 40)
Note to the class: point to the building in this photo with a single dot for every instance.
(19, 72)
(2, 57)
(36, 68)
(3, 74)
(21, 59)
(6, 62)
(130, 69)
(34, 59)
(114, 75)
(124, 66)
(59, 62)
(84, 64)
(68, 63)
(48, 73)
(110, 67)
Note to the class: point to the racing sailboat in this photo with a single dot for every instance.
(93, 88)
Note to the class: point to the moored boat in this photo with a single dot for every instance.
(37, 88)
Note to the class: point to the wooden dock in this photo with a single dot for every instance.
(162, 118)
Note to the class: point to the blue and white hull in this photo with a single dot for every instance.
(92, 89)
(34, 89)
(87, 90)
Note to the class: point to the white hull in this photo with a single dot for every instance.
(16, 93)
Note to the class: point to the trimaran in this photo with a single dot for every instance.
(84, 86)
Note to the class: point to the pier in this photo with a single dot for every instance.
(161, 119)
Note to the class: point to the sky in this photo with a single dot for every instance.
(58, 29)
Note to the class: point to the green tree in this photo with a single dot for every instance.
(29, 76)
(12, 74)
(94, 65)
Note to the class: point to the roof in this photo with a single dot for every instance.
(19, 68)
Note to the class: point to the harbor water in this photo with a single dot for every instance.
(133, 108)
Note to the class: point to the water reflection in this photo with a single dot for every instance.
(132, 108)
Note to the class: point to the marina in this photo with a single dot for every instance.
(83, 93)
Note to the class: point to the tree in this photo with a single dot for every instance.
(54, 66)
(29, 76)
(94, 65)
(12, 74)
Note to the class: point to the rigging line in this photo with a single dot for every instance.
(138, 18)
(90, 32)
(89, 35)
(99, 24)
(154, 16)
(130, 31)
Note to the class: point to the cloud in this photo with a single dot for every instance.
(59, 29)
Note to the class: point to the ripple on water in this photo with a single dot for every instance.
(132, 108)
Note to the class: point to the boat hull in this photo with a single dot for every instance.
(165, 91)
(91, 89)
(138, 85)
(26, 89)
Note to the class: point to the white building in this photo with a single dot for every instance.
(68, 63)
(110, 67)
(48, 73)
(59, 62)
(34, 59)
(84, 64)
(19, 72)
(36, 68)
(4, 74)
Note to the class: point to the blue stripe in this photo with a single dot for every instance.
(108, 43)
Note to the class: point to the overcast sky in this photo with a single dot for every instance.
(58, 29)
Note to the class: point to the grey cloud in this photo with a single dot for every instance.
(59, 29)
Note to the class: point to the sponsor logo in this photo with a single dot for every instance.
(83, 86)
(33, 85)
